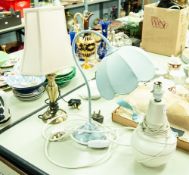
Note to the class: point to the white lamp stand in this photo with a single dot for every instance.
(153, 142)
(89, 131)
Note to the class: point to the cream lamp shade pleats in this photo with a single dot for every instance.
(46, 45)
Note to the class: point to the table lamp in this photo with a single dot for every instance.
(153, 142)
(122, 78)
(47, 50)
(119, 73)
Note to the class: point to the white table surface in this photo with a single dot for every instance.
(25, 140)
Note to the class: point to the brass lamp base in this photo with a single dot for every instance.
(53, 111)
(59, 116)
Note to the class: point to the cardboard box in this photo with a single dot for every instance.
(164, 30)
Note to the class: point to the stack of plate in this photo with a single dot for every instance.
(3, 57)
(65, 76)
(29, 95)
(9, 63)
(26, 88)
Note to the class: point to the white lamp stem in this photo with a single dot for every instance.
(79, 67)
(89, 131)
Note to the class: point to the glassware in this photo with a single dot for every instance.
(102, 47)
(72, 35)
(86, 44)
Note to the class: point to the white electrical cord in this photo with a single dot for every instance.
(103, 158)
(158, 131)
(111, 133)
(152, 157)
(162, 143)
(112, 137)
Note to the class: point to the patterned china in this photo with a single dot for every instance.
(24, 82)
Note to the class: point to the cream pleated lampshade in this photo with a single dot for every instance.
(46, 45)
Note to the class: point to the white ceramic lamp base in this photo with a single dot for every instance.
(151, 151)
(153, 142)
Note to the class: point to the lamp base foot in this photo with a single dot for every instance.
(59, 116)
(88, 132)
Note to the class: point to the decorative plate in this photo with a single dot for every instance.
(35, 92)
(34, 95)
(65, 76)
(24, 82)
(65, 72)
(30, 98)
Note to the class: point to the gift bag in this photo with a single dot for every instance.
(164, 30)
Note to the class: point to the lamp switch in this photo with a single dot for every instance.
(98, 144)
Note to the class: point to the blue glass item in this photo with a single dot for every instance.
(101, 50)
(72, 35)
(102, 47)
(104, 24)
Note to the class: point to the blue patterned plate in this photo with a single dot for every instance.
(24, 82)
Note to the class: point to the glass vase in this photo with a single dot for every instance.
(102, 50)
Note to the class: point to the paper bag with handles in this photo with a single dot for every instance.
(164, 30)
